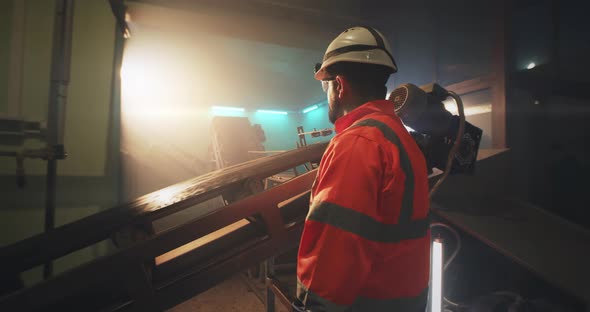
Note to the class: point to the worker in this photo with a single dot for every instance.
(366, 240)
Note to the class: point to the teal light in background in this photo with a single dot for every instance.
(317, 118)
(309, 109)
(265, 111)
(227, 109)
(280, 130)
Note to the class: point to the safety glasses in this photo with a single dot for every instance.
(326, 84)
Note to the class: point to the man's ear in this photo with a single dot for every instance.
(343, 87)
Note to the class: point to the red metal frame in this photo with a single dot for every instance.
(126, 276)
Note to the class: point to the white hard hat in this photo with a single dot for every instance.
(360, 45)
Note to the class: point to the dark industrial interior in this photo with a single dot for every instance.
(158, 155)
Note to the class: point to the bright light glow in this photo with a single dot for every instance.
(309, 109)
(272, 112)
(150, 79)
(437, 268)
(531, 65)
(160, 83)
(168, 196)
(469, 111)
(227, 108)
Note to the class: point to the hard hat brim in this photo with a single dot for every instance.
(376, 57)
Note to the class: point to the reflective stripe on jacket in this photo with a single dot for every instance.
(366, 241)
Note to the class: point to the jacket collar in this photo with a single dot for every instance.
(382, 106)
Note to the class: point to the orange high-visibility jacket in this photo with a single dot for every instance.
(366, 240)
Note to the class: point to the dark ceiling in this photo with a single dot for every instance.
(273, 44)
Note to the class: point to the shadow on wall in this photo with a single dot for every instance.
(548, 139)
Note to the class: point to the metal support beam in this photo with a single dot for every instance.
(36, 250)
(499, 83)
(15, 71)
(270, 296)
(280, 231)
(113, 167)
(58, 91)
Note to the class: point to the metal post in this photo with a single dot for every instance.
(114, 164)
(17, 39)
(499, 73)
(435, 41)
(270, 296)
(58, 90)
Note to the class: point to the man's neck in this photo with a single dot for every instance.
(358, 102)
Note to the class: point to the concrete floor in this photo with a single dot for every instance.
(231, 295)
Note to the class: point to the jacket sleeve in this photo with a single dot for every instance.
(337, 250)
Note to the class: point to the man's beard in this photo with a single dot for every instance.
(334, 111)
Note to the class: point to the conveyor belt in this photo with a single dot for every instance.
(126, 280)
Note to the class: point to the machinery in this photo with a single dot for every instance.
(251, 228)
(158, 270)
(222, 243)
(439, 134)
